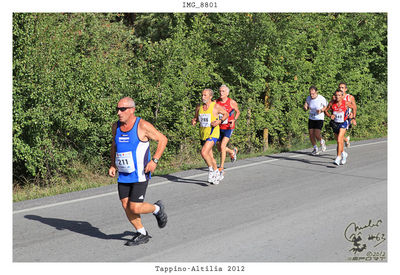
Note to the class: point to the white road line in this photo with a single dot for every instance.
(297, 155)
(168, 181)
(62, 203)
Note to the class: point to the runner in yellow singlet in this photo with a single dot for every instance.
(208, 116)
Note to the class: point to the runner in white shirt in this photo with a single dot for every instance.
(316, 104)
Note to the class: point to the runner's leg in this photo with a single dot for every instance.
(134, 209)
(312, 137)
(340, 141)
(317, 135)
(206, 153)
(337, 143)
(224, 149)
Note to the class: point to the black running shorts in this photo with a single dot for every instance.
(315, 124)
(134, 191)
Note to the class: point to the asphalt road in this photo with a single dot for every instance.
(289, 207)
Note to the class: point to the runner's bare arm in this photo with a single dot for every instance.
(350, 104)
(305, 106)
(221, 110)
(327, 109)
(352, 99)
(353, 106)
(218, 109)
(196, 115)
(150, 132)
(112, 170)
(235, 107)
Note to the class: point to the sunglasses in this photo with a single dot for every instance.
(122, 109)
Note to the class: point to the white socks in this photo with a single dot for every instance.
(142, 231)
(157, 209)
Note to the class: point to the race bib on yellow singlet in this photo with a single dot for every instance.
(339, 117)
(124, 162)
(205, 120)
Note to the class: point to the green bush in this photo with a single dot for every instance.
(69, 71)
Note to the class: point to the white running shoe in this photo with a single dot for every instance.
(210, 175)
(337, 161)
(216, 177)
(347, 142)
(315, 151)
(221, 174)
(344, 157)
(234, 156)
(323, 146)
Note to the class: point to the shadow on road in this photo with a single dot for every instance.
(183, 180)
(80, 227)
(318, 158)
(323, 155)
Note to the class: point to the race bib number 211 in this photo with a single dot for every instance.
(124, 162)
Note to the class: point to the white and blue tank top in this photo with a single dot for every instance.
(132, 155)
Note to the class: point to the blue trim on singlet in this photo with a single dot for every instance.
(213, 139)
(212, 129)
(129, 141)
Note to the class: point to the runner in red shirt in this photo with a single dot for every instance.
(339, 123)
(352, 112)
(227, 126)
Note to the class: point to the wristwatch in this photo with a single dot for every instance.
(155, 160)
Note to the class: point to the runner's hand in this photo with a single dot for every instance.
(150, 167)
(111, 171)
(215, 123)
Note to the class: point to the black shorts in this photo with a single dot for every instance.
(315, 124)
(134, 191)
(337, 126)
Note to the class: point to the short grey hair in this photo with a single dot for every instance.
(211, 92)
(224, 86)
(129, 100)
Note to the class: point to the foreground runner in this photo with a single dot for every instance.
(316, 104)
(130, 155)
(207, 115)
(352, 111)
(339, 123)
(227, 126)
